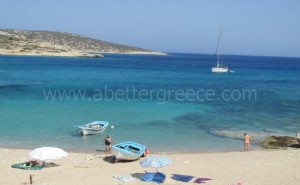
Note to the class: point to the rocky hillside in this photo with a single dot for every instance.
(23, 42)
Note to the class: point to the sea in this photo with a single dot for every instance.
(170, 103)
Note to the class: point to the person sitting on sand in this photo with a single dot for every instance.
(107, 143)
(146, 153)
(31, 163)
(247, 139)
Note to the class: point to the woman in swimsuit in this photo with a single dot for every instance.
(247, 139)
(107, 142)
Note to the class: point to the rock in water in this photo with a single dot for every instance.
(98, 56)
(275, 142)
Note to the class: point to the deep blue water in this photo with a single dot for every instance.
(172, 118)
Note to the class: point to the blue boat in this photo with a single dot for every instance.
(128, 151)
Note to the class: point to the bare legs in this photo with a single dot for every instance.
(246, 147)
(107, 148)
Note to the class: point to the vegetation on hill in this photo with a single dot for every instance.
(57, 43)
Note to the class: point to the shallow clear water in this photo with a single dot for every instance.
(161, 121)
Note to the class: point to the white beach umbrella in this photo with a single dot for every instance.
(155, 162)
(47, 153)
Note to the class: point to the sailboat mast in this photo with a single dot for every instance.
(218, 45)
(219, 68)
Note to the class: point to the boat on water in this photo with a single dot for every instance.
(219, 68)
(128, 151)
(95, 127)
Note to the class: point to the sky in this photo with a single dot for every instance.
(256, 27)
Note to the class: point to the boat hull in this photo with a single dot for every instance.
(219, 70)
(120, 156)
(129, 151)
(85, 131)
(95, 127)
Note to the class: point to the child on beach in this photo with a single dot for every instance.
(247, 139)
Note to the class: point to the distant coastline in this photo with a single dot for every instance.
(75, 54)
(49, 43)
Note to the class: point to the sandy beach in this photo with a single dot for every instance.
(71, 53)
(269, 167)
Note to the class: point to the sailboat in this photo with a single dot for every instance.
(219, 68)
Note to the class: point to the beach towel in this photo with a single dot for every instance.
(25, 166)
(124, 179)
(154, 177)
(182, 178)
(148, 176)
(201, 180)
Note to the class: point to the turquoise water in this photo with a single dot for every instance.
(162, 122)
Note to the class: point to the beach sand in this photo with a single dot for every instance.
(71, 53)
(271, 167)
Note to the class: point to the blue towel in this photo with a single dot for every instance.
(182, 178)
(148, 177)
(154, 177)
(159, 177)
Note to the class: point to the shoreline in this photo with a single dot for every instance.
(91, 150)
(81, 151)
(80, 54)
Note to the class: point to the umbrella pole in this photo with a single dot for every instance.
(31, 179)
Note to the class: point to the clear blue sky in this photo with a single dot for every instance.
(256, 27)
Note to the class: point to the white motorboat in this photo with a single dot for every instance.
(95, 127)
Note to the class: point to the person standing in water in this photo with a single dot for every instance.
(107, 143)
(247, 139)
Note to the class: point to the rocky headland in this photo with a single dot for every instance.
(49, 43)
